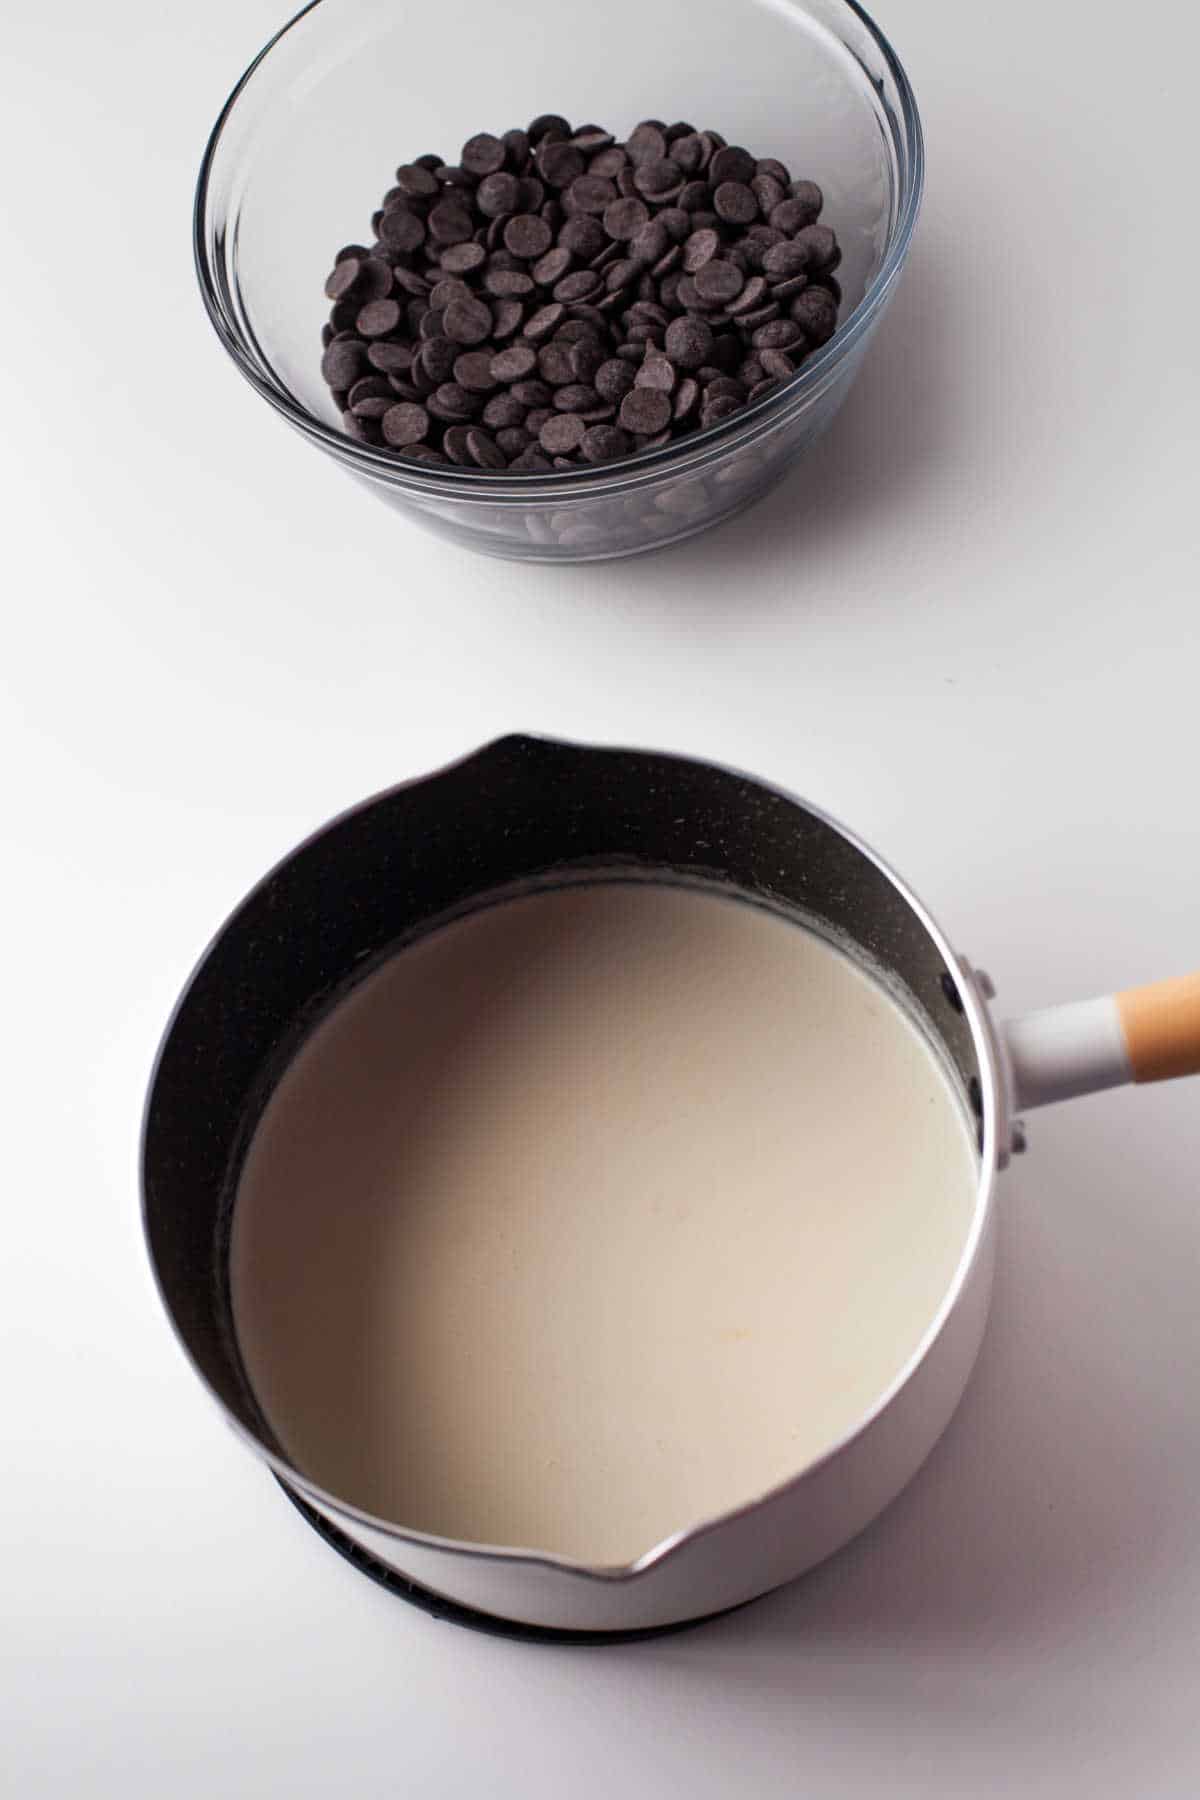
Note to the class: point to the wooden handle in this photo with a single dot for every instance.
(1162, 1028)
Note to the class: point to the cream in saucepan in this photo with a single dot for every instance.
(592, 1215)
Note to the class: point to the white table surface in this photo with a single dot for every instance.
(968, 627)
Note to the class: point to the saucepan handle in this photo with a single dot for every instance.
(1144, 1034)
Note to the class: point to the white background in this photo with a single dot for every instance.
(968, 627)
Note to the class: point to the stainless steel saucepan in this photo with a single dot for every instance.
(526, 810)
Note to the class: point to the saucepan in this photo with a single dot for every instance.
(527, 810)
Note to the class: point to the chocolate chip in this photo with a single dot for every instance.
(700, 248)
(528, 236)
(576, 397)
(531, 462)
(402, 230)
(645, 144)
(790, 216)
(506, 318)
(815, 313)
(624, 218)
(587, 358)
(468, 321)
(342, 364)
(820, 243)
(718, 281)
(560, 164)
(410, 281)
(619, 274)
(687, 395)
(768, 192)
(369, 387)
(512, 364)
(613, 379)
(579, 286)
(482, 154)
(649, 242)
(361, 429)
(448, 291)
(562, 434)
(782, 261)
(344, 278)
(688, 342)
(583, 236)
(604, 443)
(735, 203)
(498, 194)
(552, 267)
(508, 282)
(721, 408)
(390, 358)
(473, 370)
(412, 179)
(750, 321)
(591, 193)
(808, 195)
(608, 163)
(405, 424)
(658, 175)
(777, 334)
(512, 440)
(548, 125)
(776, 364)
(543, 321)
(504, 411)
(460, 259)
(656, 372)
(688, 152)
(449, 223)
(645, 411)
(532, 393)
(485, 452)
(438, 359)
(732, 164)
(454, 442)
(377, 318)
(452, 402)
(752, 295)
(555, 365)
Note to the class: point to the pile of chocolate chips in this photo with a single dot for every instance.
(557, 299)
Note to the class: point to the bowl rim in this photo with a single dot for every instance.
(694, 452)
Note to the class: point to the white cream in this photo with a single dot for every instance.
(592, 1215)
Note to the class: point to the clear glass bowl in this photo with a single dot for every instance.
(308, 140)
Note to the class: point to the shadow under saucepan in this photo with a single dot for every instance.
(1054, 1507)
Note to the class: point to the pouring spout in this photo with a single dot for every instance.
(1143, 1034)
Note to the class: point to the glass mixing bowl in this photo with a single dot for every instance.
(308, 140)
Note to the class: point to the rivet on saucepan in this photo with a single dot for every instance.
(950, 989)
(1018, 1143)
